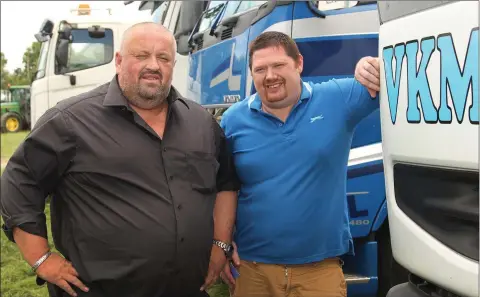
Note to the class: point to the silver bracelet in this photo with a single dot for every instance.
(40, 261)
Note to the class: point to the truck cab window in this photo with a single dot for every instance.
(214, 8)
(86, 52)
(246, 5)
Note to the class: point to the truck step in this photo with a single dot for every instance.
(356, 279)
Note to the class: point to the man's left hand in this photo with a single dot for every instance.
(216, 265)
(367, 72)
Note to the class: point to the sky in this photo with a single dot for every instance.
(20, 20)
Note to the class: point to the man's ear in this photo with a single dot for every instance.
(118, 61)
(300, 63)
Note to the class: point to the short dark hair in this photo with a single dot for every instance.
(273, 39)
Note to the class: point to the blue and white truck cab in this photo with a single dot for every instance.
(213, 36)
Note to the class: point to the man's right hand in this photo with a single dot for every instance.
(57, 270)
(226, 274)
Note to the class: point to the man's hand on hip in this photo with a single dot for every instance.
(57, 270)
(367, 72)
(217, 262)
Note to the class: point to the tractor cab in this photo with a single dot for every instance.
(15, 109)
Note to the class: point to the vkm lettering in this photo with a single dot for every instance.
(457, 81)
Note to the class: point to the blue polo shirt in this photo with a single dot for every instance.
(292, 206)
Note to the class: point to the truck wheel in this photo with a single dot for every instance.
(11, 122)
(390, 273)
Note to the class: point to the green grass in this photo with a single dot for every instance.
(17, 279)
(10, 142)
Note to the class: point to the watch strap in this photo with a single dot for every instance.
(226, 247)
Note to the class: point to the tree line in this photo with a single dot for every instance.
(23, 75)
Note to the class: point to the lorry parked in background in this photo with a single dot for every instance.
(15, 109)
(429, 118)
(213, 36)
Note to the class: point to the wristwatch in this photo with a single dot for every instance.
(227, 248)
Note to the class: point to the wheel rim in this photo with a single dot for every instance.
(12, 124)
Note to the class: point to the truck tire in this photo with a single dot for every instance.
(11, 122)
(390, 273)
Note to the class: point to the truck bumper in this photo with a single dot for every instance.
(405, 290)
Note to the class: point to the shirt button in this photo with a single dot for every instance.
(179, 206)
(182, 239)
(171, 177)
(164, 149)
(280, 125)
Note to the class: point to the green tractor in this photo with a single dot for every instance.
(15, 109)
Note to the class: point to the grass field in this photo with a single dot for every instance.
(17, 279)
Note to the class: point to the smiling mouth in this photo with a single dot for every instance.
(274, 86)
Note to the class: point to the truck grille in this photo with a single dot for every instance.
(444, 202)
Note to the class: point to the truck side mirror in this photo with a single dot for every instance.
(189, 16)
(61, 54)
(65, 33)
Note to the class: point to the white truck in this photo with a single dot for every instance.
(429, 119)
(77, 55)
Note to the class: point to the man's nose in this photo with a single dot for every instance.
(270, 74)
(152, 63)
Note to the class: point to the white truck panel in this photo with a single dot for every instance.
(453, 145)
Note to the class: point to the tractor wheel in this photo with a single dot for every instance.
(390, 273)
(11, 122)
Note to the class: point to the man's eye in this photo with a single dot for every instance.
(142, 57)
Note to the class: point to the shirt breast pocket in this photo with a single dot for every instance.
(202, 171)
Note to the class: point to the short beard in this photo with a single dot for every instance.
(143, 98)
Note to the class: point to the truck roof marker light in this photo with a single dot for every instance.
(84, 9)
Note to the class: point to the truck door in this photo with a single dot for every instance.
(90, 63)
(218, 62)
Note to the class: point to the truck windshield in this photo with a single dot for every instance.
(42, 60)
(214, 8)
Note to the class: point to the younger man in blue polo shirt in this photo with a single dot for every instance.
(290, 143)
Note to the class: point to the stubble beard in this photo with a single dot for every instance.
(143, 97)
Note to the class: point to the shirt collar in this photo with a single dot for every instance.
(254, 101)
(115, 96)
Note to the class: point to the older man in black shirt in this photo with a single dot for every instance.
(135, 172)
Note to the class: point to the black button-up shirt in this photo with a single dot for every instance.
(131, 211)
